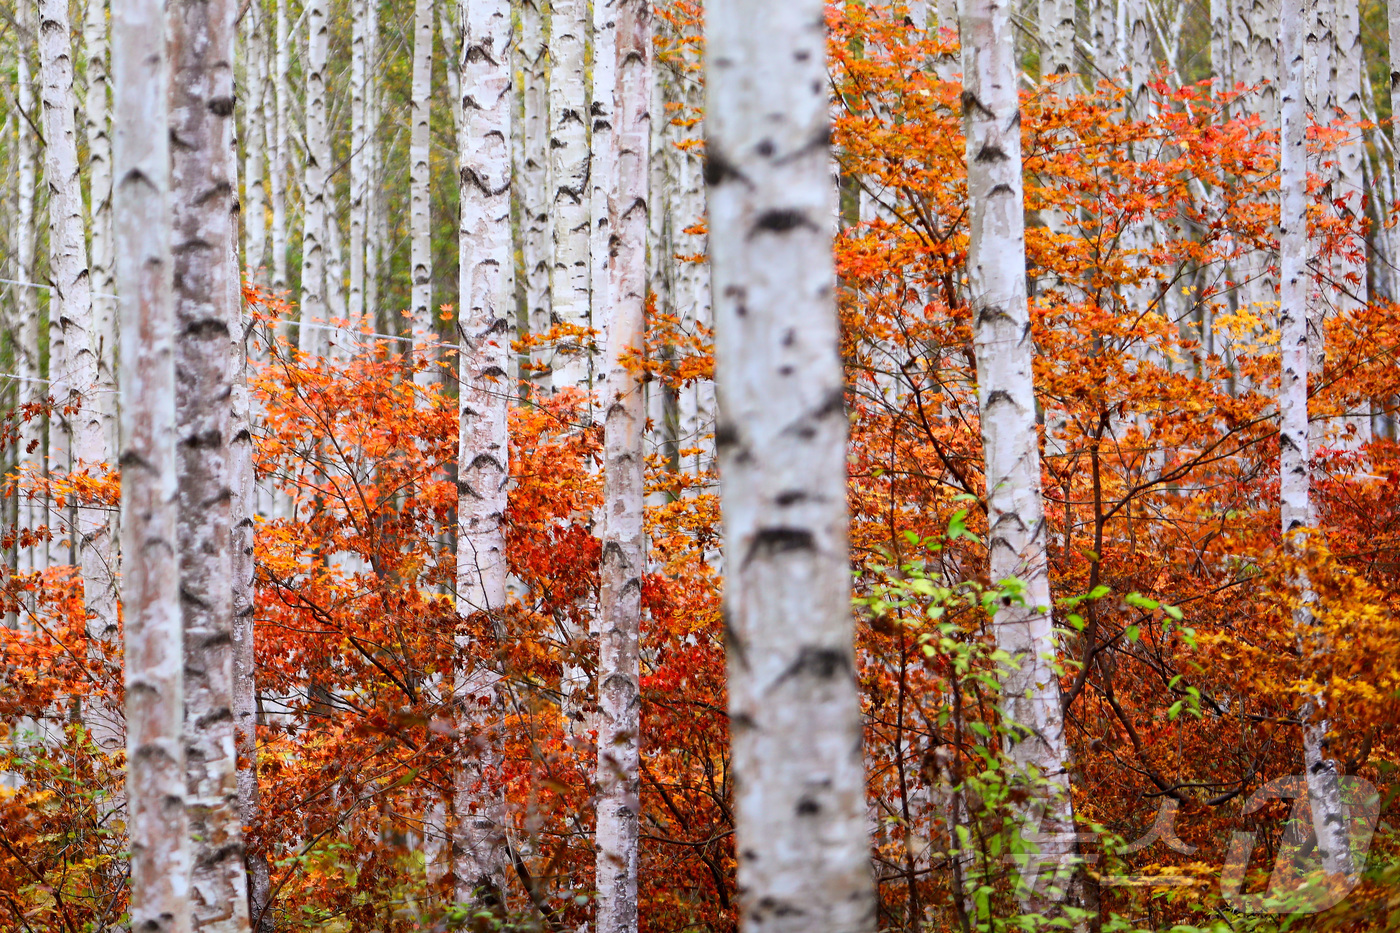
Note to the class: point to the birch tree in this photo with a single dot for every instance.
(1295, 507)
(533, 167)
(201, 34)
(996, 266)
(154, 662)
(318, 155)
(74, 371)
(569, 283)
(104, 311)
(601, 172)
(623, 405)
(277, 130)
(27, 361)
(486, 260)
(255, 114)
(360, 131)
(799, 806)
(420, 181)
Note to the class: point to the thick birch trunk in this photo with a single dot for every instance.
(1006, 401)
(155, 788)
(310, 339)
(420, 180)
(795, 717)
(623, 404)
(201, 34)
(486, 261)
(601, 171)
(533, 160)
(71, 305)
(1295, 507)
(569, 168)
(360, 78)
(277, 133)
(254, 132)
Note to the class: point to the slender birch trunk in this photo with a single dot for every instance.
(374, 171)
(799, 806)
(104, 307)
(601, 170)
(203, 198)
(533, 172)
(77, 367)
(486, 263)
(692, 296)
(569, 168)
(1006, 401)
(27, 358)
(255, 116)
(1393, 21)
(1057, 36)
(420, 180)
(1295, 336)
(1350, 190)
(155, 781)
(450, 33)
(277, 130)
(360, 78)
(310, 339)
(623, 404)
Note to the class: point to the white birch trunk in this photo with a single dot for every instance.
(533, 173)
(255, 116)
(374, 207)
(693, 303)
(420, 180)
(800, 814)
(155, 781)
(71, 304)
(486, 262)
(277, 133)
(1006, 402)
(310, 339)
(601, 169)
(27, 358)
(1056, 36)
(104, 307)
(203, 196)
(623, 404)
(569, 169)
(1295, 505)
(1350, 189)
(1393, 21)
(360, 130)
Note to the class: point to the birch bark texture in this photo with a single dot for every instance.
(97, 117)
(569, 283)
(277, 129)
(255, 115)
(154, 659)
(485, 264)
(313, 237)
(203, 195)
(1295, 480)
(27, 361)
(360, 129)
(1004, 352)
(800, 813)
(420, 180)
(602, 174)
(623, 404)
(74, 373)
(533, 159)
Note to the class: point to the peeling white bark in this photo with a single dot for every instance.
(154, 660)
(795, 717)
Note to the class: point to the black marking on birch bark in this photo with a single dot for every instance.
(726, 435)
(991, 152)
(780, 220)
(990, 314)
(221, 106)
(808, 807)
(821, 663)
(203, 440)
(480, 52)
(719, 169)
(970, 101)
(1002, 188)
(772, 541)
(999, 395)
(792, 497)
(834, 404)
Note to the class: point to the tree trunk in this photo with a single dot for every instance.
(601, 170)
(1006, 401)
(254, 133)
(104, 305)
(569, 168)
(155, 781)
(623, 404)
(800, 814)
(360, 78)
(420, 182)
(318, 155)
(278, 131)
(1057, 36)
(533, 171)
(486, 261)
(202, 197)
(27, 357)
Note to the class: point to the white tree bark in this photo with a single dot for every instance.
(155, 790)
(277, 133)
(1393, 20)
(533, 169)
(692, 296)
(1295, 507)
(486, 263)
(623, 404)
(361, 76)
(375, 219)
(569, 169)
(795, 720)
(310, 339)
(76, 383)
(1006, 401)
(203, 195)
(420, 180)
(254, 132)
(601, 170)
(104, 309)
(27, 359)
(1057, 36)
